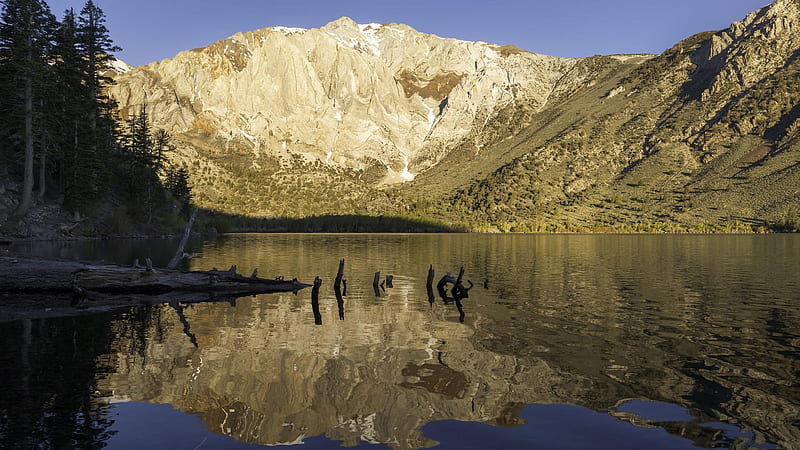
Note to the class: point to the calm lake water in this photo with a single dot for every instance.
(573, 342)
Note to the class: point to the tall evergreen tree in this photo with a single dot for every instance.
(145, 151)
(177, 182)
(26, 31)
(71, 100)
(162, 144)
(144, 187)
(141, 139)
(96, 47)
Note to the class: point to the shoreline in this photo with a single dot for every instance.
(6, 242)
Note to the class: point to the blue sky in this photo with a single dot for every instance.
(151, 30)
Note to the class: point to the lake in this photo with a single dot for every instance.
(565, 341)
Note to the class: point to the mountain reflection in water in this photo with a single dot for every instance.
(636, 340)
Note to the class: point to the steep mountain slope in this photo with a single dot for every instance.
(703, 133)
(374, 119)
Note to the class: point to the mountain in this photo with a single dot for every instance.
(704, 132)
(383, 119)
(363, 105)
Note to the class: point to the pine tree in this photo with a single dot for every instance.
(96, 49)
(162, 144)
(141, 140)
(177, 182)
(144, 152)
(70, 106)
(26, 31)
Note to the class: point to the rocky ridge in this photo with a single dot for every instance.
(346, 95)
(705, 132)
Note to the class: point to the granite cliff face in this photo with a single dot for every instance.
(749, 51)
(346, 95)
(734, 82)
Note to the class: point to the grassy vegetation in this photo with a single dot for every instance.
(227, 223)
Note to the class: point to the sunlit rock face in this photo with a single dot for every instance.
(755, 58)
(750, 50)
(348, 95)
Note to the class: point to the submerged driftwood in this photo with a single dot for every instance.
(34, 275)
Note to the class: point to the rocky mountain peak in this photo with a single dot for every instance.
(341, 24)
(749, 50)
(777, 11)
(375, 97)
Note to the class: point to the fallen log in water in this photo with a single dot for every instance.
(33, 275)
(42, 305)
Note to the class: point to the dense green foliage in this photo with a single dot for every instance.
(228, 223)
(55, 116)
(26, 38)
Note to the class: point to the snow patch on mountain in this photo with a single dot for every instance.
(289, 30)
(119, 66)
(405, 174)
(370, 32)
(248, 136)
